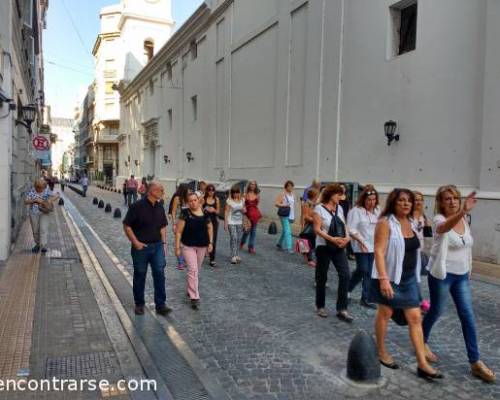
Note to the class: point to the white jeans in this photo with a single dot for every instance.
(40, 226)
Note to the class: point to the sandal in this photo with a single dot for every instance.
(481, 371)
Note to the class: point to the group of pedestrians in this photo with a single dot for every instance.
(393, 247)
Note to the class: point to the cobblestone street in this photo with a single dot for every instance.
(257, 332)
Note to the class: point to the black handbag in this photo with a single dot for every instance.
(284, 211)
(336, 229)
(427, 231)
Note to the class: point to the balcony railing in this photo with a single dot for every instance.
(107, 139)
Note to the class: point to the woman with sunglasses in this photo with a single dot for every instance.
(450, 265)
(361, 221)
(252, 198)
(396, 277)
(211, 208)
(233, 221)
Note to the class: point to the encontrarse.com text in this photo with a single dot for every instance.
(74, 385)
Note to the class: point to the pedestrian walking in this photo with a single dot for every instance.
(177, 204)
(314, 185)
(233, 221)
(395, 280)
(202, 188)
(307, 224)
(423, 228)
(285, 202)
(146, 227)
(361, 222)
(193, 237)
(211, 208)
(252, 199)
(143, 187)
(40, 201)
(85, 184)
(62, 183)
(331, 240)
(450, 266)
(132, 186)
(124, 192)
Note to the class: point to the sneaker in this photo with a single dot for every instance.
(234, 260)
(35, 249)
(163, 310)
(238, 259)
(180, 267)
(321, 312)
(213, 264)
(481, 371)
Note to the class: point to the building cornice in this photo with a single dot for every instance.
(197, 23)
(125, 16)
(103, 36)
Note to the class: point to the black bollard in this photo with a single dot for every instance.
(117, 213)
(95, 201)
(61, 201)
(362, 359)
(119, 191)
(101, 204)
(108, 208)
(273, 229)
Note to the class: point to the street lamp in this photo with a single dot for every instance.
(28, 115)
(189, 156)
(390, 131)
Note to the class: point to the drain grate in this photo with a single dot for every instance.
(80, 366)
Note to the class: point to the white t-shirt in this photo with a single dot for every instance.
(235, 216)
(362, 223)
(326, 220)
(459, 248)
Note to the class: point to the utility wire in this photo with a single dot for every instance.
(75, 28)
(70, 68)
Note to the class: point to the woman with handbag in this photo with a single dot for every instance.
(331, 240)
(233, 221)
(285, 203)
(307, 231)
(211, 207)
(361, 220)
(40, 201)
(450, 265)
(252, 198)
(396, 277)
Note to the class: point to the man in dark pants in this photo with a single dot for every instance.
(146, 227)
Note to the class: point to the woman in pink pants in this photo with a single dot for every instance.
(193, 238)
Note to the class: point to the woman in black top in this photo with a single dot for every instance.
(211, 208)
(194, 237)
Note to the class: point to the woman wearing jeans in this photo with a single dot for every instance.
(252, 198)
(194, 232)
(285, 203)
(449, 272)
(361, 221)
(331, 239)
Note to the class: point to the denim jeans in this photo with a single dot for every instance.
(325, 255)
(364, 264)
(285, 241)
(131, 196)
(154, 255)
(459, 288)
(250, 236)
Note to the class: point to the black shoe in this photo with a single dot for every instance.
(428, 376)
(139, 310)
(366, 304)
(213, 264)
(345, 316)
(44, 250)
(35, 249)
(391, 365)
(164, 310)
(194, 304)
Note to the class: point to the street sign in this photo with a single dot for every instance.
(40, 143)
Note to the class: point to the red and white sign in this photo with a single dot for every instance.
(40, 143)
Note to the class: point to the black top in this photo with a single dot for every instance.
(146, 220)
(195, 233)
(211, 215)
(410, 259)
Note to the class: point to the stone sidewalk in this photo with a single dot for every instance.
(258, 334)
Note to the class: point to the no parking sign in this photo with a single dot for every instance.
(40, 143)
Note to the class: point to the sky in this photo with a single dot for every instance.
(72, 28)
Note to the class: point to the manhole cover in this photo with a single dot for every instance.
(78, 366)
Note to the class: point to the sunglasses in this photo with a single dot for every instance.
(369, 193)
(210, 190)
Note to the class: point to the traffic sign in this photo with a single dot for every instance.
(40, 143)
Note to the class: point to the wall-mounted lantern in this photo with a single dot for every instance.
(189, 156)
(166, 159)
(28, 115)
(136, 162)
(390, 131)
